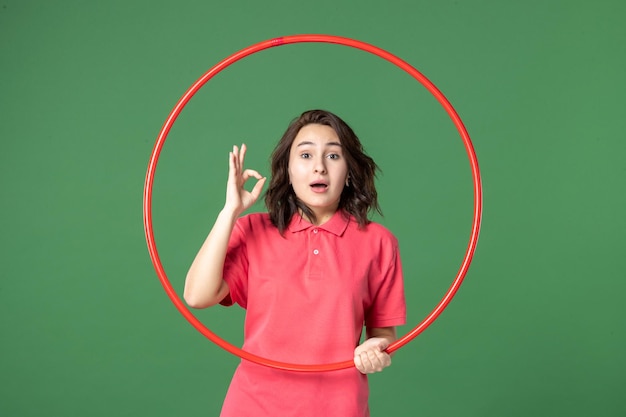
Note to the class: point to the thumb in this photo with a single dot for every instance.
(383, 344)
(256, 191)
(378, 343)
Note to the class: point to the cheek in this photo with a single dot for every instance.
(343, 172)
(295, 170)
(292, 172)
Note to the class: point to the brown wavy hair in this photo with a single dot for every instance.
(356, 199)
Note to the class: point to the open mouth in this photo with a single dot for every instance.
(319, 186)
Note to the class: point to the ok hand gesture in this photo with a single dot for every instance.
(238, 199)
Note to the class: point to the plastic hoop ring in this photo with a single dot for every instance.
(147, 200)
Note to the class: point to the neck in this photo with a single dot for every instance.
(321, 217)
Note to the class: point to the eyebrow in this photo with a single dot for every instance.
(306, 142)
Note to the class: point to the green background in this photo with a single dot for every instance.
(538, 327)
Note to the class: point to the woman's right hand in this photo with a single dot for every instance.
(238, 199)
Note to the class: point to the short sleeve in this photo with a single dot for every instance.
(235, 271)
(389, 306)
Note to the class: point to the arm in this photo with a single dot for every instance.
(204, 285)
(370, 356)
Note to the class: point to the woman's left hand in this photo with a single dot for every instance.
(370, 356)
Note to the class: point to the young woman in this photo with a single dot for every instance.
(311, 273)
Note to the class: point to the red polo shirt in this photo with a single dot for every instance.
(308, 295)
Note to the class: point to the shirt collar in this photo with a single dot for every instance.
(336, 225)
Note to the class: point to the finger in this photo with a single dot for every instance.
(236, 158)
(383, 360)
(231, 168)
(242, 154)
(365, 363)
(376, 364)
(358, 363)
(378, 360)
(251, 173)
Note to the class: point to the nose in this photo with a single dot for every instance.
(320, 166)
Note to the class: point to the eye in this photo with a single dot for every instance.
(333, 156)
(305, 155)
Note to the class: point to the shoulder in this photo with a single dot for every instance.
(373, 232)
(255, 223)
(254, 218)
(377, 230)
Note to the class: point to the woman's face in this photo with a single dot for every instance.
(318, 169)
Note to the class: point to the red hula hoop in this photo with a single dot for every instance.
(147, 206)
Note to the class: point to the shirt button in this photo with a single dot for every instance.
(316, 252)
(314, 230)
